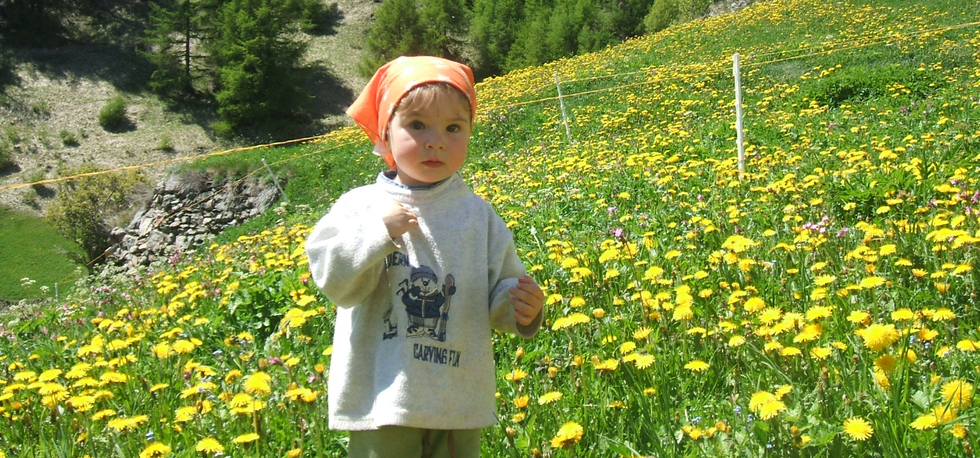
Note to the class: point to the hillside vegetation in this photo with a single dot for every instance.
(818, 303)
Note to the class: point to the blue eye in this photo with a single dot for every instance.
(417, 125)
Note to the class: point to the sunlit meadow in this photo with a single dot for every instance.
(820, 303)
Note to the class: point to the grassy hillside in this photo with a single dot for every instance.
(818, 303)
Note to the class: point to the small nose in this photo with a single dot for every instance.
(434, 141)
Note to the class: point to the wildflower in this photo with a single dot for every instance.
(937, 416)
(943, 314)
(209, 445)
(127, 423)
(521, 401)
(607, 365)
(516, 375)
(878, 337)
(858, 428)
(642, 333)
(872, 282)
(154, 450)
(697, 366)
(246, 438)
(569, 434)
(549, 397)
(958, 394)
(859, 317)
(570, 320)
(258, 383)
(770, 410)
(644, 361)
(754, 305)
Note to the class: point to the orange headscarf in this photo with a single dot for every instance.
(374, 107)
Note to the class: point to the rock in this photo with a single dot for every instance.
(185, 210)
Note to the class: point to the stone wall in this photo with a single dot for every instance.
(186, 210)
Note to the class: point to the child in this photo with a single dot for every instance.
(421, 270)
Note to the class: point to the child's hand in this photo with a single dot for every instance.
(399, 220)
(527, 299)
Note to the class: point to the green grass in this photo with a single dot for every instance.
(32, 249)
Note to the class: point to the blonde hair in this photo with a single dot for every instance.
(425, 95)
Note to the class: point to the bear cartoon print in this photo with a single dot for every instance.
(427, 302)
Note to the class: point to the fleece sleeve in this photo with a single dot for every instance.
(504, 269)
(347, 250)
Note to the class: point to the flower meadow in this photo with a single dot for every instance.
(817, 303)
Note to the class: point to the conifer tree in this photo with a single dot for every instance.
(257, 63)
(397, 31)
(493, 31)
(175, 32)
(446, 23)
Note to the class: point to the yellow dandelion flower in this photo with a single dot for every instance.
(521, 401)
(642, 333)
(516, 375)
(155, 450)
(770, 410)
(697, 366)
(958, 394)
(878, 337)
(927, 335)
(903, 314)
(209, 445)
(246, 438)
(858, 428)
(967, 345)
(736, 341)
(103, 414)
(607, 365)
(627, 347)
(824, 280)
(943, 314)
(958, 430)
(549, 397)
(754, 305)
(820, 353)
(886, 363)
(872, 282)
(569, 434)
(818, 312)
(185, 414)
(128, 423)
(644, 361)
(759, 398)
(258, 383)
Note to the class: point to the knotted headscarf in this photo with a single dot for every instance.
(374, 107)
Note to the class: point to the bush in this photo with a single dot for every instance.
(6, 153)
(112, 116)
(68, 138)
(166, 143)
(84, 207)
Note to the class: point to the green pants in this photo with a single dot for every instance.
(404, 442)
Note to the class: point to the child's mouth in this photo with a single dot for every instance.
(432, 163)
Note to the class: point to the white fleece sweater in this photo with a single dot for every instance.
(412, 343)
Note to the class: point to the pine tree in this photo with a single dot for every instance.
(397, 31)
(446, 23)
(257, 63)
(176, 29)
(493, 31)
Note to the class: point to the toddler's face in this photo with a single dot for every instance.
(429, 143)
